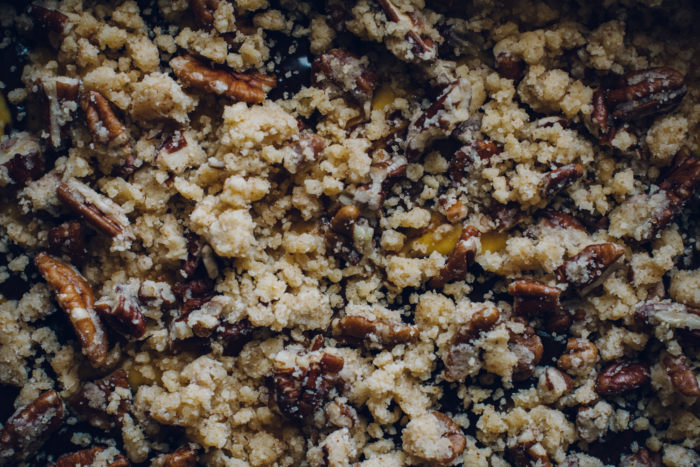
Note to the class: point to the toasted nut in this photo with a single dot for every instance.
(306, 151)
(102, 213)
(459, 260)
(184, 456)
(21, 156)
(250, 87)
(478, 152)
(30, 426)
(589, 269)
(341, 415)
(234, 336)
(455, 212)
(86, 457)
(554, 378)
(580, 354)
(642, 458)
(557, 219)
(75, 297)
(195, 288)
(194, 255)
(592, 422)
(559, 322)
(646, 92)
(383, 176)
(68, 238)
(421, 46)
(373, 333)
(621, 376)
(674, 315)
(682, 378)
(348, 234)
(510, 67)
(457, 366)
(172, 144)
(91, 401)
(122, 312)
(346, 71)
(529, 453)
(528, 348)
(203, 11)
(106, 129)
(600, 122)
(59, 100)
(534, 297)
(454, 434)
(557, 180)
(48, 19)
(506, 216)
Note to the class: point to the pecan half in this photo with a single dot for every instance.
(48, 19)
(463, 160)
(383, 176)
(580, 354)
(184, 456)
(421, 47)
(621, 376)
(588, 269)
(75, 297)
(533, 297)
(348, 234)
(528, 348)
(86, 457)
(440, 119)
(558, 179)
(682, 377)
(91, 401)
(510, 67)
(106, 128)
(373, 333)
(30, 426)
(454, 434)
(642, 458)
(457, 366)
(461, 257)
(99, 211)
(347, 72)
(122, 312)
(21, 156)
(59, 99)
(506, 216)
(68, 238)
(250, 87)
(646, 92)
(529, 453)
(600, 122)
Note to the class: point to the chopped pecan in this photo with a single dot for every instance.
(302, 380)
(86, 457)
(122, 312)
(621, 376)
(341, 415)
(304, 152)
(421, 47)
(373, 333)
(464, 159)
(59, 100)
(528, 348)
(558, 179)
(557, 219)
(554, 378)
(172, 144)
(75, 297)
(250, 87)
(457, 360)
(68, 238)
(456, 212)
(588, 269)
(560, 321)
(346, 71)
(454, 434)
(440, 119)
(21, 156)
(646, 92)
(510, 67)
(674, 315)
(383, 175)
(184, 456)
(48, 19)
(233, 336)
(642, 458)
(194, 254)
(549, 122)
(533, 297)
(91, 401)
(106, 128)
(600, 122)
(348, 234)
(203, 11)
(461, 257)
(506, 216)
(579, 354)
(529, 453)
(682, 377)
(195, 288)
(592, 422)
(30, 426)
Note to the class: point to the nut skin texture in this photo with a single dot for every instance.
(302, 160)
(461, 257)
(589, 268)
(645, 317)
(549, 384)
(383, 175)
(482, 321)
(601, 123)
(510, 67)
(557, 219)
(194, 255)
(100, 117)
(27, 163)
(463, 160)
(184, 456)
(454, 435)
(424, 48)
(125, 316)
(85, 458)
(76, 298)
(335, 61)
(579, 353)
(355, 329)
(249, 87)
(621, 376)
(534, 297)
(30, 426)
(527, 361)
(89, 212)
(558, 179)
(642, 458)
(80, 404)
(234, 336)
(645, 92)
(53, 95)
(527, 455)
(48, 19)
(68, 238)
(340, 237)
(506, 216)
(203, 11)
(682, 377)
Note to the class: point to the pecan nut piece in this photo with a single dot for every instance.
(21, 156)
(68, 238)
(682, 377)
(86, 457)
(349, 234)
(457, 360)
(440, 119)
(579, 354)
(346, 71)
(184, 456)
(646, 92)
(465, 158)
(592, 422)
(59, 99)
(529, 453)
(383, 176)
(233, 336)
(510, 67)
(379, 333)
(30, 426)
(589, 269)
(642, 458)
(91, 401)
(48, 19)
(250, 87)
(557, 219)
(674, 315)
(506, 216)
(306, 151)
(528, 348)
(533, 297)
(600, 122)
(75, 297)
(122, 312)
(341, 415)
(461, 257)
(203, 11)
(556, 180)
(622, 376)
(99, 211)
(454, 435)
(194, 254)
(416, 45)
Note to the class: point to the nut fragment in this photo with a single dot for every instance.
(341, 415)
(454, 434)
(440, 119)
(250, 87)
(75, 297)
(580, 354)
(621, 376)
(478, 152)
(306, 151)
(506, 216)
(373, 333)
(106, 128)
(349, 234)
(510, 67)
(600, 122)
(383, 176)
(194, 255)
(86, 457)
(642, 458)
(533, 297)
(421, 47)
(184, 456)
(682, 377)
(557, 219)
(68, 238)
(457, 360)
(588, 269)
(529, 453)
(48, 19)
(556, 180)
(91, 401)
(528, 348)
(646, 92)
(122, 312)
(203, 11)
(233, 336)
(347, 71)
(673, 315)
(461, 257)
(59, 99)
(21, 156)
(30, 426)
